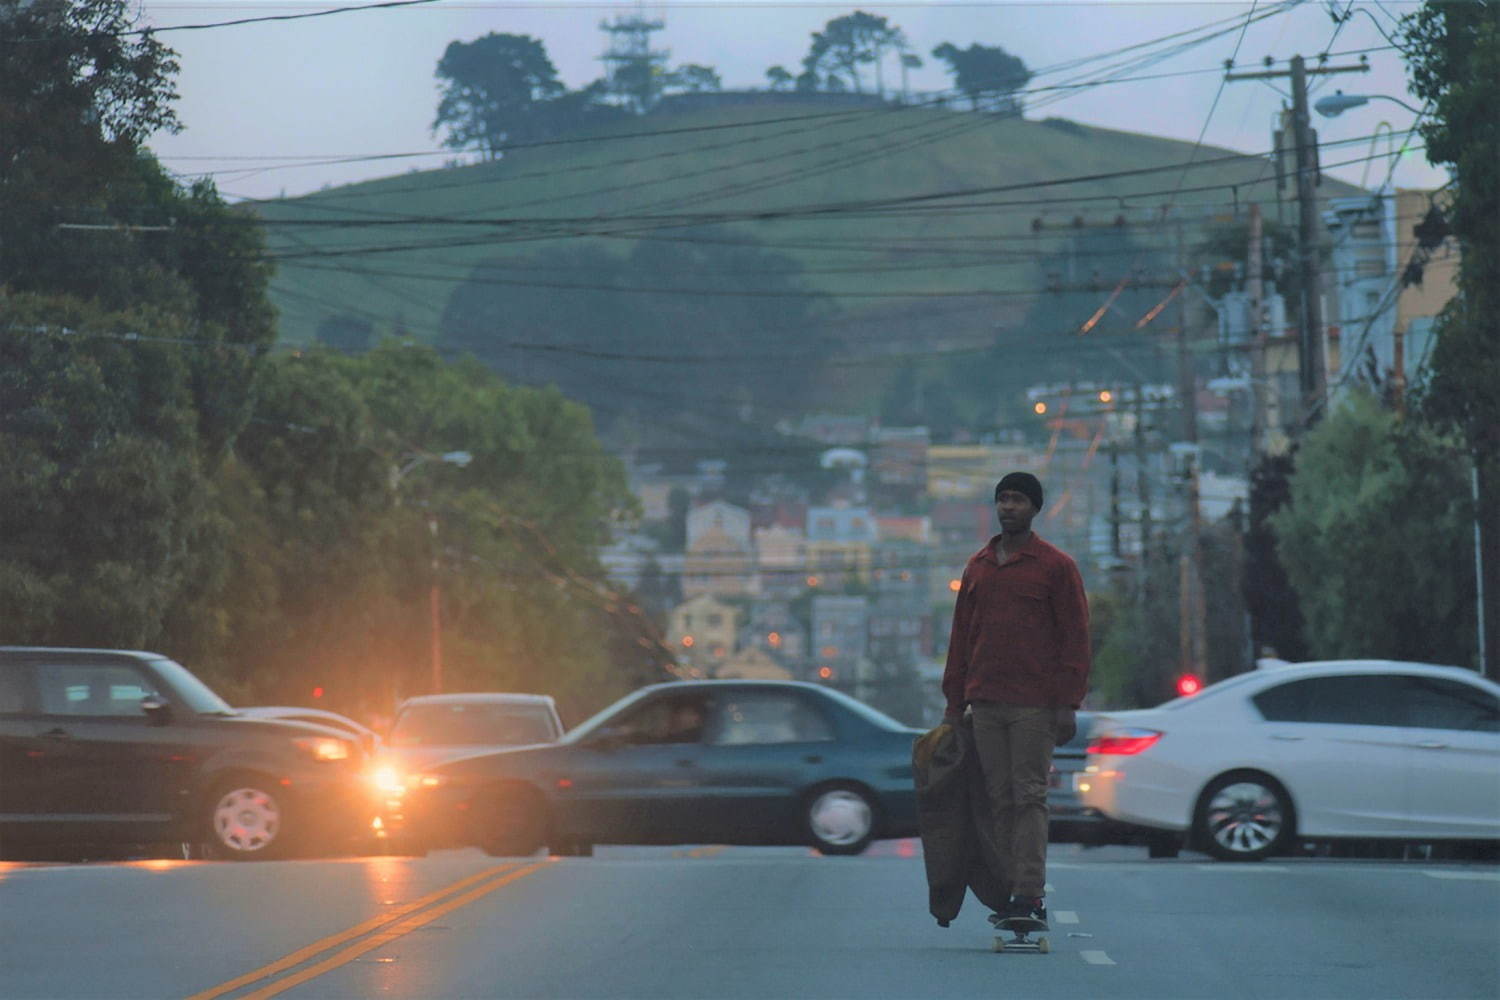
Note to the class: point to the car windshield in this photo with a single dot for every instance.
(463, 724)
(194, 693)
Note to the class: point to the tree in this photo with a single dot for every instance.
(100, 478)
(1453, 56)
(909, 61)
(985, 72)
(492, 89)
(1361, 475)
(129, 354)
(847, 43)
(694, 79)
(779, 78)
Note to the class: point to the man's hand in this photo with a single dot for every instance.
(1065, 726)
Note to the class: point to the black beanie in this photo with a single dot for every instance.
(1021, 482)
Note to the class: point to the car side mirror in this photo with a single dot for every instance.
(158, 712)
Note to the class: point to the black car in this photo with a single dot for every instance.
(716, 762)
(109, 749)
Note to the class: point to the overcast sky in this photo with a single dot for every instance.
(260, 100)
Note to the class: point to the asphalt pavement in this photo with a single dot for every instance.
(712, 922)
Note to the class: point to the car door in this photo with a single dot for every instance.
(1455, 757)
(106, 768)
(1338, 744)
(23, 784)
(763, 748)
(639, 782)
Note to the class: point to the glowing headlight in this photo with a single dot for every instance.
(325, 748)
(425, 781)
(388, 780)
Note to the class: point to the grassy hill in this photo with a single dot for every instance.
(829, 189)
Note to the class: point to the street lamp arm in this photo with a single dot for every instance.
(1338, 102)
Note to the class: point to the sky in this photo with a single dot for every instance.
(266, 105)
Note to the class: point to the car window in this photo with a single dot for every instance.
(473, 724)
(768, 717)
(1439, 703)
(678, 718)
(1345, 699)
(12, 689)
(92, 689)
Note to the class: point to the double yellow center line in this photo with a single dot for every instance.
(371, 934)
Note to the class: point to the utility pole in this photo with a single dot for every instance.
(1310, 355)
(1114, 500)
(1191, 617)
(1260, 388)
(435, 610)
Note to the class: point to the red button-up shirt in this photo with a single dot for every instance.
(1020, 630)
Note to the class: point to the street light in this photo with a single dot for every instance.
(1338, 102)
(434, 597)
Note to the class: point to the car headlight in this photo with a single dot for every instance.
(325, 748)
(388, 780)
(426, 781)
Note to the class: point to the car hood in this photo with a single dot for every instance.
(490, 760)
(282, 727)
(424, 757)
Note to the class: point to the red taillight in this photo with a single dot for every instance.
(1123, 743)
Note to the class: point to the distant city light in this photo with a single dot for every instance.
(829, 651)
(1105, 396)
(1040, 408)
(318, 692)
(954, 585)
(687, 641)
(774, 639)
(812, 581)
(825, 672)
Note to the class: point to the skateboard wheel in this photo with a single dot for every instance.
(1042, 945)
(999, 944)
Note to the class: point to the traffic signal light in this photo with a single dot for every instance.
(1188, 684)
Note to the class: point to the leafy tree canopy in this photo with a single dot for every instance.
(1361, 592)
(1453, 55)
(985, 73)
(847, 43)
(694, 79)
(492, 90)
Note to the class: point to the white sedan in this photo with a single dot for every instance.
(1339, 749)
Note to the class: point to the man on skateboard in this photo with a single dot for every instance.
(1018, 659)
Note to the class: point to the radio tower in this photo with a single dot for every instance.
(634, 70)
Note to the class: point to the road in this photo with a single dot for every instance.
(741, 923)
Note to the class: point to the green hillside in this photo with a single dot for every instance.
(829, 190)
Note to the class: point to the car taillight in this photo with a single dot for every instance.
(1123, 742)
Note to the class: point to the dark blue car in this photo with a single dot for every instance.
(693, 762)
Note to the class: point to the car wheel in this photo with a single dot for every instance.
(839, 819)
(1243, 817)
(514, 823)
(247, 820)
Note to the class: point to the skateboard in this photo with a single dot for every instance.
(1019, 928)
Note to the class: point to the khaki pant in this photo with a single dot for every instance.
(1015, 752)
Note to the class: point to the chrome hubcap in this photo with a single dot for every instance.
(1244, 817)
(247, 819)
(840, 817)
